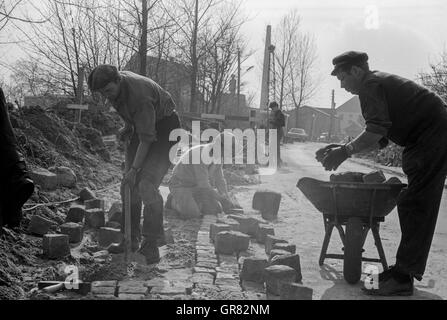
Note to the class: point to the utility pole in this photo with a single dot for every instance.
(265, 71)
(331, 125)
(194, 62)
(143, 41)
(238, 76)
(273, 61)
(271, 49)
(80, 91)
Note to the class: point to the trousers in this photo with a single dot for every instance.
(146, 190)
(425, 164)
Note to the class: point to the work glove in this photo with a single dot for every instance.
(321, 153)
(335, 157)
(130, 177)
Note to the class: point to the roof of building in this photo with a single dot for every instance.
(324, 111)
(352, 105)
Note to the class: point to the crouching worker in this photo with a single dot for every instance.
(191, 185)
(149, 115)
(15, 185)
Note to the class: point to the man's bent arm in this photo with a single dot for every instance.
(220, 182)
(140, 156)
(366, 140)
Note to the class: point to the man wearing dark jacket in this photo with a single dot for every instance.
(411, 116)
(149, 115)
(15, 185)
(277, 123)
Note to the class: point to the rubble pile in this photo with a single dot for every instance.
(359, 177)
(49, 142)
(391, 156)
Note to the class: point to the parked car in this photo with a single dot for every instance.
(297, 134)
(323, 137)
(335, 138)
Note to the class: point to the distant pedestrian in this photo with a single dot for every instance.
(277, 122)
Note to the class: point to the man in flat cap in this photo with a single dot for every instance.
(149, 115)
(15, 185)
(411, 116)
(277, 122)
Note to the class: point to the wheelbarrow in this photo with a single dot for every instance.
(359, 207)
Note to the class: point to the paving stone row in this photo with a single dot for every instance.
(179, 287)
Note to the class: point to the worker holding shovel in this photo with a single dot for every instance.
(411, 116)
(149, 115)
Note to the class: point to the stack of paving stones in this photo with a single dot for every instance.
(174, 285)
(105, 290)
(88, 213)
(276, 275)
(216, 274)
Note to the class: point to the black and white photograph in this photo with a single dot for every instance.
(232, 152)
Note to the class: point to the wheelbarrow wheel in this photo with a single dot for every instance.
(352, 266)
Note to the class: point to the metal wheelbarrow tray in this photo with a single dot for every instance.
(357, 206)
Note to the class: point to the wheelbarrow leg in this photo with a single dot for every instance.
(327, 238)
(378, 242)
(341, 233)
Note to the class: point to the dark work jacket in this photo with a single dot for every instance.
(398, 108)
(278, 120)
(142, 103)
(8, 144)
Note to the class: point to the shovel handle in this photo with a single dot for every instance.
(54, 288)
(127, 213)
(127, 223)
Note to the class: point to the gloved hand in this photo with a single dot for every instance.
(321, 153)
(130, 177)
(335, 157)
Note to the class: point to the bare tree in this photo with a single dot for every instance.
(207, 41)
(87, 33)
(295, 59)
(9, 12)
(220, 61)
(194, 20)
(303, 83)
(436, 78)
(285, 36)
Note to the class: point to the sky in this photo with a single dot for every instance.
(403, 38)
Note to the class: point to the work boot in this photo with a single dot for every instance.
(117, 248)
(149, 249)
(395, 285)
(386, 274)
